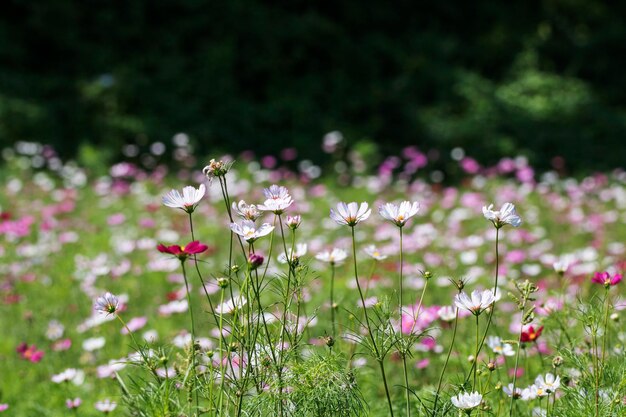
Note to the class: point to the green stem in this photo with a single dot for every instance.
(493, 306)
(369, 328)
(476, 352)
(445, 365)
(193, 340)
(332, 300)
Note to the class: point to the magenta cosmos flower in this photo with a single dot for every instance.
(606, 279)
(183, 252)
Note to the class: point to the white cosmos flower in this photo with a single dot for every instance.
(300, 251)
(549, 383)
(506, 215)
(231, 305)
(187, 201)
(399, 215)
(246, 211)
(508, 390)
(248, 230)
(499, 347)
(467, 401)
(277, 199)
(530, 393)
(76, 376)
(334, 257)
(108, 304)
(447, 313)
(350, 214)
(374, 252)
(478, 302)
(106, 406)
(93, 343)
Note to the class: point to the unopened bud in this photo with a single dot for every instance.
(557, 361)
(491, 366)
(428, 275)
(222, 283)
(330, 342)
(293, 222)
(254, 261)
(615, 317)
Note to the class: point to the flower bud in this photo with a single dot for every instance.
(330, 342)
(222, 283)
(491, 366)
(255, 261)
(293, 222)
(557, 361)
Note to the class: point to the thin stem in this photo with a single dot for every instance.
(519, 348)
(369, 328)
(404, 348)
(332, 300)
(476, 354)
(445, 365)
(493, 306)
(193, 339)
(605, 336)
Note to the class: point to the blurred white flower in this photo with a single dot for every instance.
(499, 347)
(301, 249)
(246, 211)
(374, 252)
(334, 257)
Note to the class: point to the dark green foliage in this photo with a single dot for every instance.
(538, 78)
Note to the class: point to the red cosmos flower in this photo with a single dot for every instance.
(29, 353)
(183, 252)
(606, 279)
(531, 334)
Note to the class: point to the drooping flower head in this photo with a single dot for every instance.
(107, 304)
(467, 401)
(248, 230)
(531, 334)
(187, 201)
(478, 302)
(277, 199)
(350, 214)
(183, 252)
(604, 278)
(399, 215)
(246, 211)
(335, 256)
(216, 168)
(506, 215)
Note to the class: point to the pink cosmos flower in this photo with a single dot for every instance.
(606, 279)
(29, 353)
(183, 252)
(4, 407)
(108, 304)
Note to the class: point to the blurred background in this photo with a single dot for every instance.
(103, 80)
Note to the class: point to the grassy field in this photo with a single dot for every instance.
(67, 237)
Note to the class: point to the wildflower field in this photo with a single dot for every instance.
(237, 287)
